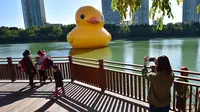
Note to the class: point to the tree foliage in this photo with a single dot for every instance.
(158, 10)
(54, 33)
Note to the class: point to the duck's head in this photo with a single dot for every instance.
(89, 16)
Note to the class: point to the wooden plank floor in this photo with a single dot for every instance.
(17, 97)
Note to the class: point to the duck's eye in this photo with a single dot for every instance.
(82, 16)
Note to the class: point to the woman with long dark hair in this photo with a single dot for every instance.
(30, 68)
(161, 80)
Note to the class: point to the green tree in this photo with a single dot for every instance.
(54, 33)
(159, 9)
(4, 31)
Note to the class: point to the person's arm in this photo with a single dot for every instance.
(148, 75)
(145, 73)
(30, 64)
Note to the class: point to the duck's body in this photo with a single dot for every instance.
(89, 32)
(88, 37)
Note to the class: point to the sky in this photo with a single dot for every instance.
(61, 11)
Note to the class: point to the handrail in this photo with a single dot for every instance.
(3, 61)
(137, 70)
(50, 57)
(186, 83)
(124, 72)
(110, 64)
(187, 77)
(137, 65)
(84, 62)
(86, 65)
(88, 59)
(120, 63)
(190, 72)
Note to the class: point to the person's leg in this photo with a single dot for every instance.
(154, 108)
(41, 75)
(56, 92)
(50, 78)
(178, 104)
(183, 104)
(63, 90)
(31, 75)
(166, 109)
(45, 75)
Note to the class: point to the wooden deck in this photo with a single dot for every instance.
(106, 86)
(17, 97)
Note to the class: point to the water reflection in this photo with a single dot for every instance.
(12, 50)
(155, 48)
(189, 55)
(180, 51)
(51, 48)
(101, 53)
(117, 48)
(172, 49)
(168, 47)
(128, 52)
(140, 52)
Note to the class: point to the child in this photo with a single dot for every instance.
(181, 89)
(58, 80)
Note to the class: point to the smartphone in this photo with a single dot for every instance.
(152, 59)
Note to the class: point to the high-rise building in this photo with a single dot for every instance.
(110, 16)
(189, 11)
(141, 16)
(33, 13)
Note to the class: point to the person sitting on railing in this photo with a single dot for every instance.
(58, 80)
(161, 80)
(30, 68)
(182, 91)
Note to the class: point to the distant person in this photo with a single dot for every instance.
(58, 80)
(182, 91)
(30, 68)
(161, 80)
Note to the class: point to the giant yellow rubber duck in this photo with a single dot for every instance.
(89, 32)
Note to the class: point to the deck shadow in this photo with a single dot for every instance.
(8, 96)
(77, 98)
(87, 99)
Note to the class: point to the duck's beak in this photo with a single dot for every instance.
(94, 20)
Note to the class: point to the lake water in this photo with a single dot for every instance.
(180, 51)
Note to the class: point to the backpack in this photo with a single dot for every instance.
(21, 66)
(49, 63)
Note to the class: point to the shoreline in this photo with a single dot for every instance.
(127, 38)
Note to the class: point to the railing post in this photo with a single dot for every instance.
(102, 75)
(11, 71)
(71, 68)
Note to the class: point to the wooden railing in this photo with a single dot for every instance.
(8, 69)
(120, 78)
